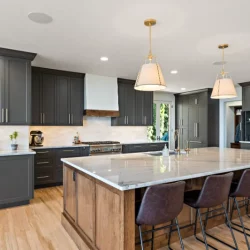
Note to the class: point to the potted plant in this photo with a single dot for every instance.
(13, 138)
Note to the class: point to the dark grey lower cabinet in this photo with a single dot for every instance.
(143, 147)
(49, 167)
(16, 180)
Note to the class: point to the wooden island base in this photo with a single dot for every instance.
(103, 218)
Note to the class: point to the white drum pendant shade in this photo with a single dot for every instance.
(224, 88)
(150, 78)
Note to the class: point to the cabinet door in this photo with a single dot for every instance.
(140, 116)
(130, 104)
(62, 100)
(76, 101)
(148, 108)
(202, 125)
(36, 110)
(16, 179)
(48, 99)
(179, 113)
(69, 178)
(2, 91)
(17, 92)
(192, 122)
(245, 98)
(185, 106)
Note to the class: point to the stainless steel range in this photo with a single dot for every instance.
(104, 147)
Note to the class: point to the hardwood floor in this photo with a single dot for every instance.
(38, 227)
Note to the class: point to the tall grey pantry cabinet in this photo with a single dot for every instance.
(15, 87)
(197, 118)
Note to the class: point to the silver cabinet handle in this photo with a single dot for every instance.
(69, 118)
(153, 145)
(125, 119)
(43, 177)
(197, 128)
(2, 115)
(6, 115)
(44, 152)
(195, 142)
(194, 130)
(42, 162)
(68, 150)
(195, 101)
(137, 146)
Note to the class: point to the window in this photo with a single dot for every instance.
(161, 121)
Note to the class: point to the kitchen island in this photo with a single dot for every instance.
(102, 194)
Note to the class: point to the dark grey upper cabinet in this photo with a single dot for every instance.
(15, 87)
(245, 96)
(58, 97)
(136, 107)
(15, 91)
(76, 101)
(197, 117)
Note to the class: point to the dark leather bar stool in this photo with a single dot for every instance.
(240, 190)
(214, 192)
(161, 204)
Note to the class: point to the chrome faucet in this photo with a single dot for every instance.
(177, 137)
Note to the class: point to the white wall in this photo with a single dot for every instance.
(225, 121)
(22, 140)
(168, 97)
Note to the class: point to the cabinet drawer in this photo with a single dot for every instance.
(69, 152)
(44, 153)
(44, 175)
(156, 146)
(44, 162)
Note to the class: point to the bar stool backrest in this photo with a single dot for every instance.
(161, 203)
(215, 190)
(243, 187)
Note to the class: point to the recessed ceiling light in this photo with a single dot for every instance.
(39, 17)
(174, 72)
(104, 59)
(183, 88)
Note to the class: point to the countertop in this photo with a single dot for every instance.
(130, 171)
(16, 152)
(59, 146)
(244, 141)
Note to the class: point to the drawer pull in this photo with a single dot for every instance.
(43, 177)
(195, 141)
(137, 146)
(44, 152)
(42, 162)
(153, 145)
(68, 150)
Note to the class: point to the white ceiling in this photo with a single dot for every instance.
(185, 38)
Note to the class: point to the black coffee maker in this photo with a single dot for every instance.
(36, 138)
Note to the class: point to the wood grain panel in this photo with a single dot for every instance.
(86, 206)
(69, 193)
(108, 219)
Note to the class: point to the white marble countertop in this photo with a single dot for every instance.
(244, 141)
(144, 142)
(59, 146)
(16, 152)
(130, 171)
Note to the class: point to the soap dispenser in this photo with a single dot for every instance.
(165, 151)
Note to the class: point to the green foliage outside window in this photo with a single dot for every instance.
(164, 121)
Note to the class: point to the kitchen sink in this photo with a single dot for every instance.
(159, 153)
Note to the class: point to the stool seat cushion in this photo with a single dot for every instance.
(191, 197)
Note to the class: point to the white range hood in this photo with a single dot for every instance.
(101, 96)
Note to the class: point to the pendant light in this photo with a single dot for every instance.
(150, 77)
(223, 86)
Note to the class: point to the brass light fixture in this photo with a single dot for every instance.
(223, 86)
(150, 77)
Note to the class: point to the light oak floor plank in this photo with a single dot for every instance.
(37, 226)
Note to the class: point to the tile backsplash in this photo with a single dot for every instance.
(22, 140)
(93, 129)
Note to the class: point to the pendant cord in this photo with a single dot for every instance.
(150, 56)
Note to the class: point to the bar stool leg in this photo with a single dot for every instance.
(169, 235)
(202, 229)
(152, 240)
(241, 222)
(141, 239)
(179, 233)
(230, 227)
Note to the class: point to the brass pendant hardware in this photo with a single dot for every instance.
(150, 22)
(223, 46)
